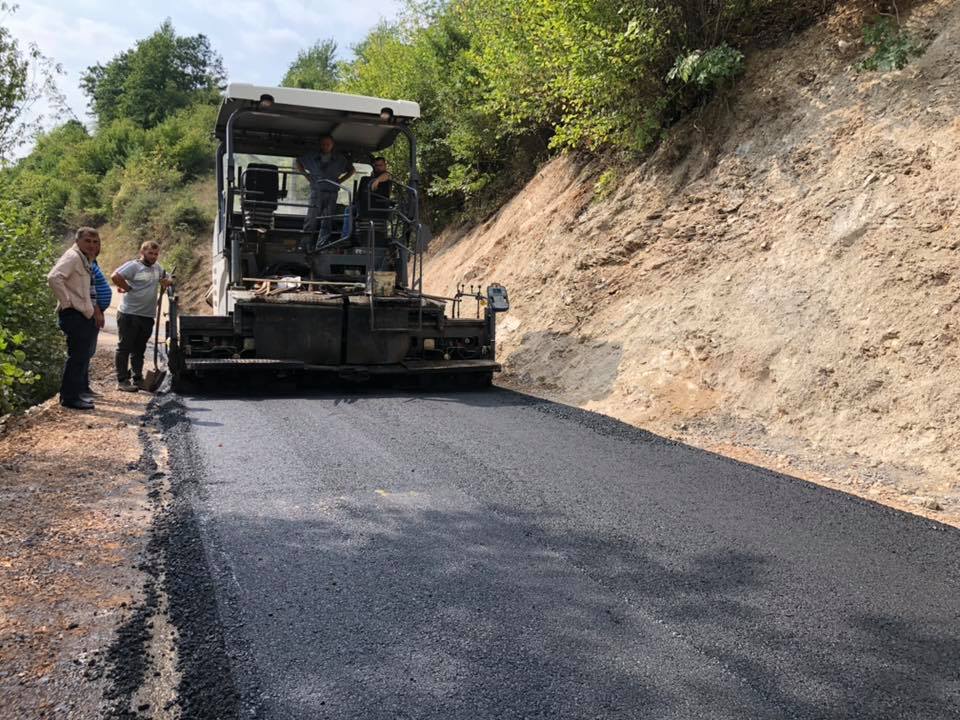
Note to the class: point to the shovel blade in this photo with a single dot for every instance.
(153, 379)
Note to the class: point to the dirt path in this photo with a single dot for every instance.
(77, 497)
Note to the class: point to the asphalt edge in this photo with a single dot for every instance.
(181, 581)
(608, 426)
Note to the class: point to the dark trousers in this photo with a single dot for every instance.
(80, 332)
(323, 206)
(134, 333)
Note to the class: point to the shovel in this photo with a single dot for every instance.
(154, 378)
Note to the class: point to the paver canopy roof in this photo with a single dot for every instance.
(297, 118)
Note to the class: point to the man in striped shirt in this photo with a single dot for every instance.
(101, 295)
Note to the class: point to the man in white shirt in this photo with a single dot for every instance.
(78, 317)
(139, 281)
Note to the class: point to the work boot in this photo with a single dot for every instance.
(126, 386)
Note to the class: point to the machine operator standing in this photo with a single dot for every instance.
(325, 170)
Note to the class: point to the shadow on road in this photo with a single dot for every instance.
(479, 614)
(651, 580)
(256, 388)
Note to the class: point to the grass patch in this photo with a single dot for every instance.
(180, 220)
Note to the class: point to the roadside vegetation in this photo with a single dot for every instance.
(153, 107)
(502, 85)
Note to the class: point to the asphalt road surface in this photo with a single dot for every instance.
(488, 555)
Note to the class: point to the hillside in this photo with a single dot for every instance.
(778, 282)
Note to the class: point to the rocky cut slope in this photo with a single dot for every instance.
(779, 281)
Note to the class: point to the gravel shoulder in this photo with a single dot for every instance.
(78, 494)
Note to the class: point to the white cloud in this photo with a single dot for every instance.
(258, 39)
(74, 42)
(346, 22)
(69, 39)
(271, 39)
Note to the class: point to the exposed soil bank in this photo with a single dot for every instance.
(779, 282)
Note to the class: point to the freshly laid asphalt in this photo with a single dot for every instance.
(488, 555)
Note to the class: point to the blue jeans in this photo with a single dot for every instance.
(80, 332)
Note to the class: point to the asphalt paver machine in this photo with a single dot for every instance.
(347, 301)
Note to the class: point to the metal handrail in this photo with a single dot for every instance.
(228, 148)
(243, 192)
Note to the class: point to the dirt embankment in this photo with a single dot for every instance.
(779, 282)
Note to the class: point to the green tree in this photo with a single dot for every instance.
(464, 158)
(30, 345)
(315, 68)
(13, 88)
(160, 75)
(502, 83)
(590, 69)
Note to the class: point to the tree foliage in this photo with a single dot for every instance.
(503, 83)
(160, 75)
(72, 177)
(707, 70)
(30, 352)
(315, 68)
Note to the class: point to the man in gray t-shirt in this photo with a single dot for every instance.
(139, 282)
(325, 170)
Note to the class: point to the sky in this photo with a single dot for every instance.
(258, 39)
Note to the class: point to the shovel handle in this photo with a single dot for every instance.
(156, 333)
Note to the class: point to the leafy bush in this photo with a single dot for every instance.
(13, 376)
(41, 194)
(707, 71)
(109, 147)
(586, 68)
(146, 174)
(185, 217)
(84, 205)
(185, 140)
(605, 185)
(31, 349)
(180, 258)
(139, 214)
(891, 46)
